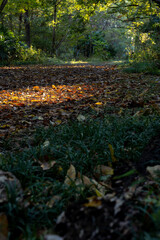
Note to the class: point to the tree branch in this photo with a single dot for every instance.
(3, 4)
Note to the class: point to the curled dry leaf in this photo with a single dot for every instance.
(47, 165)
(71, 175)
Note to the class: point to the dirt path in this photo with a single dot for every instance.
(42, 95)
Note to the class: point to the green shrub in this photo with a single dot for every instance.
(9, 46)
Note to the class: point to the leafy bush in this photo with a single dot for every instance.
(9, 46)
(11, 49)
(145, 67)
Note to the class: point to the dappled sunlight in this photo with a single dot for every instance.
(45, 95)
(34, 96)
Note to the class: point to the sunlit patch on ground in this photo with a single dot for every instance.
(43, 95)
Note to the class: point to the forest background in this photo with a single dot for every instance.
(73, 30)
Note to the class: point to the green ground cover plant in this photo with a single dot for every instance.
(83, 144)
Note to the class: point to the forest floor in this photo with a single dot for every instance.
(81, 142)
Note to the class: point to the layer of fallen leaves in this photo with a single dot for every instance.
(43, 95)
(37, 95)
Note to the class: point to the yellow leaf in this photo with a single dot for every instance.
(99, 103)
(36, 88)
(58, 122)
(4, 126)
(112, 153)
(54, 87)
(93, 202)
(70, 176)
(120, 111)
(98, 193)
(60, 169)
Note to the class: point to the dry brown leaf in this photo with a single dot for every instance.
(102, 170)
(71, 175)
(47, 165)
(52, 201)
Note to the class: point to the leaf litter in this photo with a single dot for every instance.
(36, 96)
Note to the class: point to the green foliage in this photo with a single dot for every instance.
(9, 46)
(145, 67)
(85, 145)
(146, 45)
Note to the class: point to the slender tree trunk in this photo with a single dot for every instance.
(11, 22)
(20, 24)
(54, 29)
(27, 28)
(3, 4)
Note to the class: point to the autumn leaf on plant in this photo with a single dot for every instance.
(112, 153)
(71, 175)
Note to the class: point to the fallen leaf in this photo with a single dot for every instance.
(47, 165)
(58, 122)
(102, 170)
(154, 171)
(99, 103)
(112, 153)
(53, 200)
(46, 144)
(93, 202)
(81, 118)
(70, 176)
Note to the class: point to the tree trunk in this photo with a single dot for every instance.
(27, 28)
(54, 29)
(3, 4)
(20, 24)
(11, 22)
